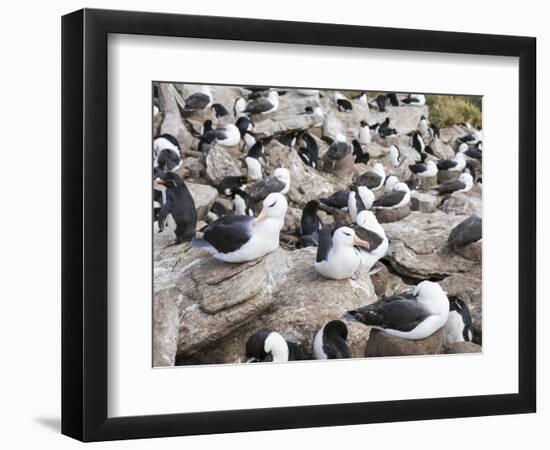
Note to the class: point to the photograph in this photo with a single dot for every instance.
(302, 224)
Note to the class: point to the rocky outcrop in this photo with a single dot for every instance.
(421, 250)
(204, 197)
(283, 291)
(165, 328)
(205, 310)
(383, 344)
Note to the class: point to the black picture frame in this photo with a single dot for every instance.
(84, 224)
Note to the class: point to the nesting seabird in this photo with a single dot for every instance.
(266, 345)
(243, 204)
(395, 156)
(239, 106)
(390, 182)
(457, 163)
(364, 136)
(410, 315)
(226, 135)
(418, 143)
(415, 99)
(463, 183)
(253, 161)
(360, 198)
(244, 238)
(180, 205)
(337, 257)
(392, 97)
(400, 196)
(359, 155)
(228, 183)
(219, 110)
(381, 101)
(166, 152)
(338, 200)
(474, 152)
(308, 150)
(310, 224)
(423, 126)
(338, 150)
(278, 182)
(373, 179)
(466, 232)
(459, 326)
(216, 211)
(427, 168)
(263, 105)
(384, 129)
(330, 341)
(368, 229)
(198, 100)
(344, 104)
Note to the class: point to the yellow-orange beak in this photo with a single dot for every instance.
(158, 182)
(360, 242)
(261, 216)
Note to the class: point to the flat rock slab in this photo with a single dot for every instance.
(421, 250)
(302, 304)
(383, 344)
(165, 328)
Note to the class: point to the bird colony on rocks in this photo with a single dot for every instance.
(299, 224)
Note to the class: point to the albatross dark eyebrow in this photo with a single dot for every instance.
(273, 204)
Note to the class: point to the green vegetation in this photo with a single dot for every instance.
(447, 110)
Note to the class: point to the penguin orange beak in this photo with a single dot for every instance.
(360, 242)
(261, 216)
(158, 181)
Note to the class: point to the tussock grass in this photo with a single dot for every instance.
(447, 110)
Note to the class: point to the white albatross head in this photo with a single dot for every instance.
(346, 237)
(402, 187)
(274, 207)
(276, 345)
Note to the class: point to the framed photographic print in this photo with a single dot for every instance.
(266, 224)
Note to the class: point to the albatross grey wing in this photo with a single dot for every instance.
(401, 312)
(325, 243)
(337, 200)
(229, 233)
(466, 232)
(391, 199)
(195, 101)
(259, 105)
(446, 164)
(450, 186)
(369, 179)
(371, 237)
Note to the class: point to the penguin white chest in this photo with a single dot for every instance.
(254, 168)
(365, 136)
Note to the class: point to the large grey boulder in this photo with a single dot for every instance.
(165, 328)
(302, 302)
(172, 122)
(424, 202)
(306, 183)
(387, 215)
(467, 203)
(462, 347)
(219, 164)
(421, 246)
(204, 197)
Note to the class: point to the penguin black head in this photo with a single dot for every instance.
(386, 122)
(207, 126)
(219, 110)
(171, 180)
(312, 206)
(363, 124)
(336, 327)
